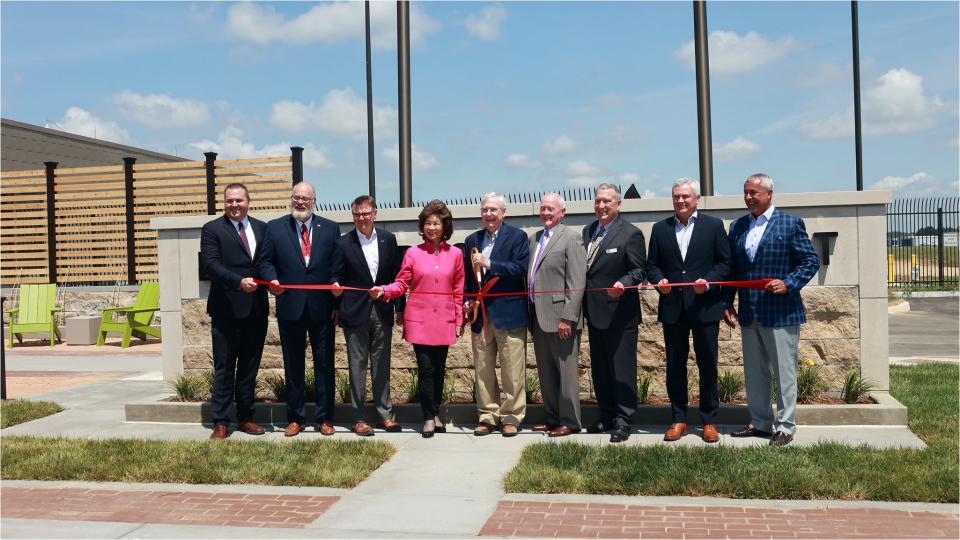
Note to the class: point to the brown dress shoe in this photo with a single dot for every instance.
(326, 428)
(362, 429)
(251, 427)
(484, 429)
(389, 426)
(710, 434)
(220, 431)
(293, 429)
(509, 430)
(677, 430)
(561, 431)
(541, 427)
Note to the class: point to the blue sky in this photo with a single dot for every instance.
(507, 96)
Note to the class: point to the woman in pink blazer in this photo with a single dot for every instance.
(431, 322)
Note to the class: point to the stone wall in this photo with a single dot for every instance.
(831, 339)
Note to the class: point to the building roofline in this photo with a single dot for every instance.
(82, 138)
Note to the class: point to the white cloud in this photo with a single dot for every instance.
(521, 161)
(81, 122)
(422, 161)
(486, 25)
(894, 103)
(561, 145)
(201, 13)
(582, 168)
(342, 113)
(230, 145)
(735, 150)
(331, 22)
(918, 183)
(731, 53)
(162, 111)
(582, 174)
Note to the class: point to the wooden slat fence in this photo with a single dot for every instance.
(101, 215)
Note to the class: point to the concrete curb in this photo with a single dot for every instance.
(902, 307)
(887, 411)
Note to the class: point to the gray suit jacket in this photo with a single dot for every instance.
(563, 266)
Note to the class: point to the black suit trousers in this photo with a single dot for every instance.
(613, 365)
(293, 341)
(237, 346)
(676, 340)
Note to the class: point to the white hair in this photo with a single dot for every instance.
(763, 179)
(501, 200)
(605, 185)
(557, 196)
(693, 184)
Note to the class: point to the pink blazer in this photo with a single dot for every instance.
(430, 319)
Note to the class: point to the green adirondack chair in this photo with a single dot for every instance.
(34, 311)
(133, 320)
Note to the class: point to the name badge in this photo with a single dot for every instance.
(611, 250)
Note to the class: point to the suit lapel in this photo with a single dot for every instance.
(293, 228)
(552, 241)
(767, 232)
(672, 233)
(235, 234)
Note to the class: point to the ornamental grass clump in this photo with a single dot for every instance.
(193, 385)
(643, 388)
(343, 387)
(855, 387)
(533, 387)
(810, 383)
(730, 383)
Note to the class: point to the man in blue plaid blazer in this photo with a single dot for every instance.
(767, 243)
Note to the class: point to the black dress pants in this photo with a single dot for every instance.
(293, 341)
(237, 347)
(613, 365)
(431, 368)
(676, 340)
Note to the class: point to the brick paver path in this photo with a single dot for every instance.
(176, 507)
(22, 384)
(596, 520)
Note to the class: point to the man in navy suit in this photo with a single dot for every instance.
(503, 251)
(298, 249)
(238, 308)
(689, 246)
(367, 256)
(767, 243)
(616, 259)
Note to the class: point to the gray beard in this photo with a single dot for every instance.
(301, 216)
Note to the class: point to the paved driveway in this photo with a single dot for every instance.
(930, 328)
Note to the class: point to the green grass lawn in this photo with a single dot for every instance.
(824, 471)
(18, 411)
(339, 464)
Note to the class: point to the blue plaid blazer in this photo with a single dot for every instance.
(785, 252)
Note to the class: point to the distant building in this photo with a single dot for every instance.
(26, 146)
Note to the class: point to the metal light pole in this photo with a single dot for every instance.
(403, 76)
(857, 133)
(703, 96)
(372, 174)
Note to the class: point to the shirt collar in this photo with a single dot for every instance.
(493, 236)
(245, 221)
(691, 219)
(308, 222)
(363, 238)
(766, 215)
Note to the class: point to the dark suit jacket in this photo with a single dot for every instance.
(621, 257)
(350, 270)
(785, 252)
(509, 260)
(708, 257)
(224, 259)
(283, 261)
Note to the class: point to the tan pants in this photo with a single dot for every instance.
(511, 346)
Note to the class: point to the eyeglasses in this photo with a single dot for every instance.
(297, 198)
(362, 214)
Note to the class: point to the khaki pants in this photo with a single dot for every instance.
(511, 346)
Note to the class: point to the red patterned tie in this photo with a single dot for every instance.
(305, 243)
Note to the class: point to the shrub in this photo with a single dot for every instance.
(413, 390)
(343, 386)
(276, 384)
(192, 385)
(533, 387)
(309, 388)
(643, 388)
(810, 383)
(730, 383)
(855, 387)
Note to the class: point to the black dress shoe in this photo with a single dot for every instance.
(620, 434)
(781, 438)
(596, 427)
(750, 431)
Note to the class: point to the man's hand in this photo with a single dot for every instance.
(468, 306)
(616, 290)
(275, 288)
(730, 317)
(564, 329)
(375, 292)
(664, 289)
(480, 259)
(335, 316)
(777, 286)
(248, 285)
(460, 330)
(336, 292)
(700, 289)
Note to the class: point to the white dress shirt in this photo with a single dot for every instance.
(755, 233)
(370, 252)
(684, 233)
(248, 232)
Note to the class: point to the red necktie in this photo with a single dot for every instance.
(305, 243)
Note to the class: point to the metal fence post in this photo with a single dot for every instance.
(51, 167)
(3, 359)
(131, 225)
(940, 245)
(296, 160)
(211, 168)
